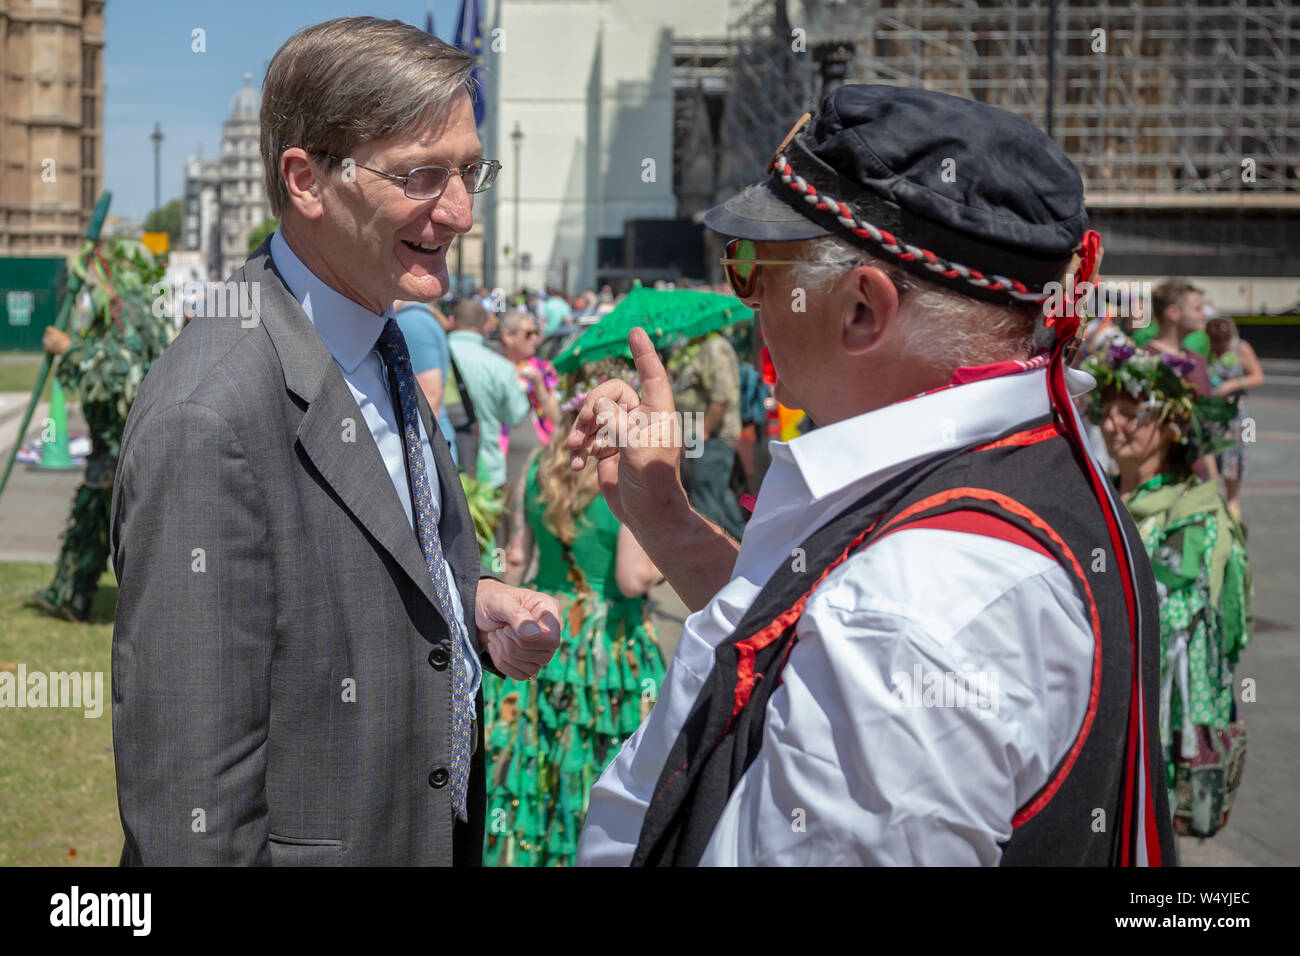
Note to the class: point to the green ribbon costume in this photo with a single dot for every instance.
(548, 739)
(1198, 554)
(105, 364)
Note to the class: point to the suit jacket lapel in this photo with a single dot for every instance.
(353, 469)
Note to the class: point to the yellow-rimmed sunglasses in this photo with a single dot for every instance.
(741, 266)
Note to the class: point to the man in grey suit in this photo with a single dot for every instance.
(302, 624)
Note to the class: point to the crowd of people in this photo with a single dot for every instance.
(500, 404)
(461, 347)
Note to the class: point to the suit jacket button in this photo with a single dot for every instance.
(439, 658)
(438, 778)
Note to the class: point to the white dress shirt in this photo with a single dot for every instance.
(853, 769)
(350, 332)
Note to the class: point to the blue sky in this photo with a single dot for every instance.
(152, 75)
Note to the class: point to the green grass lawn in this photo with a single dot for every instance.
(58, 804)
(18, 373)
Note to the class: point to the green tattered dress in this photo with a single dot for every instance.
(549, 739)
(1203, 584)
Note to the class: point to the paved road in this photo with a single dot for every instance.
(1264, 829)
(35, 505)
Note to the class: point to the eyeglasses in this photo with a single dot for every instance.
(429, 182)
(741, 266)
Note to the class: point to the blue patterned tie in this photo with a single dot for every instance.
(392, 347)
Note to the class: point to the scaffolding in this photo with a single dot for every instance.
(1170, 103)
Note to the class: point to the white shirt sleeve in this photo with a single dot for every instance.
(925, 702)
(938, 679)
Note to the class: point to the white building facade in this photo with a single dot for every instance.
(225, 198)
(589, 85)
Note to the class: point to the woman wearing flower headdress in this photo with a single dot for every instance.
(1156, 426)
(549, 739)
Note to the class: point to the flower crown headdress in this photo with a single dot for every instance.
(578, 384)
(1159, 381)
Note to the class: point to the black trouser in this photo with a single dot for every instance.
(707, 480)
(467, 437)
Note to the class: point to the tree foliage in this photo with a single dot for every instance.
(255, 237)
(168, 220)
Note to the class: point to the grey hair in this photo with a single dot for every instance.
(513, 319)
(336, 85)
(952, 329)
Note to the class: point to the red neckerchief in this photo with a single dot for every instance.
(979, 373)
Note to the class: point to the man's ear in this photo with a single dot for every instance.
(870, 309)
(302, 183)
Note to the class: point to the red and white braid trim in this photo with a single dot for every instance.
(902, 250)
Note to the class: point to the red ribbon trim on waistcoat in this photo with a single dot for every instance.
(1134, 764)
(1031, 436)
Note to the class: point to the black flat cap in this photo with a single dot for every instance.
(958, 192)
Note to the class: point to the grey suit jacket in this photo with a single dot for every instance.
(281, 688)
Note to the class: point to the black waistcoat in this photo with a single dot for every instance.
(1029, 487)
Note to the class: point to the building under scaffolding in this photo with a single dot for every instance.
(1183, 116)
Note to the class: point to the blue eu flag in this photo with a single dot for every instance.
(469, 37)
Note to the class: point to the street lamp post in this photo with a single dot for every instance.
(157, 138)
(835, 58)
(517, 137)
(835, 28)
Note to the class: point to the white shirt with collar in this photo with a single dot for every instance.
(847, 772)
(350, 332)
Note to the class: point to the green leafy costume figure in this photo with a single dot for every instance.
(105, 364)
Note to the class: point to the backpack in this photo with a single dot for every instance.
(753, 393)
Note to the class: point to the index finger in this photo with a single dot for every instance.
(656, 390)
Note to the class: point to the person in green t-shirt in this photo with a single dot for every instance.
(493, 385)
(1234, 371)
